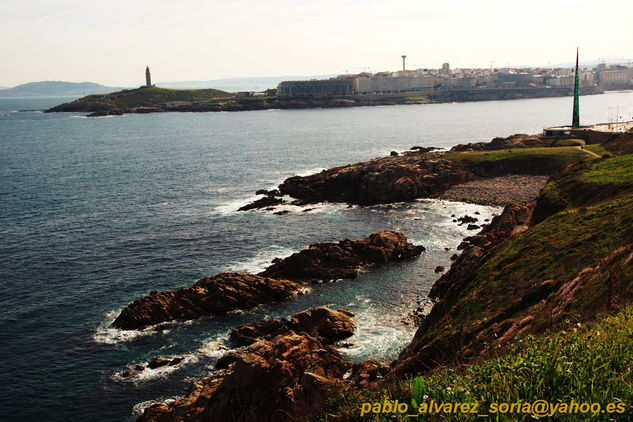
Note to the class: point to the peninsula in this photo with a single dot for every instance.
(153, 99)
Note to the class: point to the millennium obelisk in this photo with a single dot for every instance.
(575, 119)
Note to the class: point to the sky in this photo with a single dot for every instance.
(110, 42)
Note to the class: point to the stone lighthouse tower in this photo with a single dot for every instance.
(148, 77)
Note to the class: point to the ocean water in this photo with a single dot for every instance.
(96, 212)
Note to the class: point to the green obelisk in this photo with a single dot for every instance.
(575, 120)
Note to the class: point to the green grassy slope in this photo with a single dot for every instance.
(524, 160)
(153, 96)
(573, 266)
(591, 363)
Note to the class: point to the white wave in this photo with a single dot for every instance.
(375, 336)
(212, 348)
(107, 334)
(318, 208)
(139, 408)
(309, 172)
(232, 206)
(261, 260)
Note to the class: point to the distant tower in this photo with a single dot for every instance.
(403, 65)
(575, 119)
(148, 77)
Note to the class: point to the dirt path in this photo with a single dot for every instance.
(588, 152)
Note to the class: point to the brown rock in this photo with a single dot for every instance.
(281, 379)
(230, 291)
(176, 361)
(158, 362)
(382, 180)
(322, 323)
(208, 296)
(247, 334)
(263, 202)
(331, 261)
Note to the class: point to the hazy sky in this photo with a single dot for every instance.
(111, 42)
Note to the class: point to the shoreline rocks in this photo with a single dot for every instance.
(208, 296)
(275, 376)
(328, 325)
(282, 280)
(330, 261)
(432, 344)
(420, 173)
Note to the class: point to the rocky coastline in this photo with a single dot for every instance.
(284, 278)
(425, 173)
(281, 374)
(286, 369)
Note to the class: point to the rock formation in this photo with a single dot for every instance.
(382, 180)
(277, 377)
(332, 261)
(280, 281)
(327, 325)
(429, 346)
(208, 296)
(513, 141)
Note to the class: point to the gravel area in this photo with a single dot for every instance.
(497, 190)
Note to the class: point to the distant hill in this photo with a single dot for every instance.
(56, 89)
(143, 99)
(260, 83)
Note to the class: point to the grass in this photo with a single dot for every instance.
(597, 149)
(563, 155)
(589, 182)
(590, 363)
(568, 142)
(621, 144)
(556, 249)
(534, 161)
(154, 96)
(616, 170)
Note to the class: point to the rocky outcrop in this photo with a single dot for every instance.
(435, 341)
(327, 325)
(382, 180)
(420, 174)
(514, 141)
(344, 259)
(208, 296)
(269, 200)
(278, 377)
(475, 249)
(280, 281)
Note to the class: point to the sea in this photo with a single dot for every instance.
(95, 212)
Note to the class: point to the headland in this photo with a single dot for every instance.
(155, 100)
